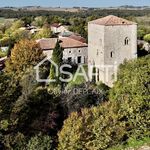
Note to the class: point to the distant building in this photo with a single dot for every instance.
(110, 40)
(78, 38)
(65, 34)
(58, 28)
(32, 29)
(74, 51)
(72, 35)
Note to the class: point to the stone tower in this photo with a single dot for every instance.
(111, 40)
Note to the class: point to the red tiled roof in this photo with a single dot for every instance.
(71, 43)
(78, 38)
(112, 20)
(48, 44)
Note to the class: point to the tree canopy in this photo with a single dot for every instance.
(25, 53)
(147, 38)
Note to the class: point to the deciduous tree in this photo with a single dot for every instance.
(25, 53)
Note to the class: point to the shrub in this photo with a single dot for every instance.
(15, 141)
(39, 142)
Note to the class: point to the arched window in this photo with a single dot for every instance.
(126, 41)
(111, 54)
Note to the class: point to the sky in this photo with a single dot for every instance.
(71, 3)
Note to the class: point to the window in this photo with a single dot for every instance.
(112, 54)
(79, 51)
(69, 51)
(126, 41)
(69, 59)
(79, 59)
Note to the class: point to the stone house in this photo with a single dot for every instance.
(74, 51)
(111, 40)
(58, 28)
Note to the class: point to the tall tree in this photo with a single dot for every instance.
(25, 53)
(57, 57)
(44, 33)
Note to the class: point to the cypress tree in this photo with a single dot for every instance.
(57, 57)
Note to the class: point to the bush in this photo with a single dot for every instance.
(15, 141)
(39, 142)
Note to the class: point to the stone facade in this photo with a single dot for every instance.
(74, 55)
(74, 51)
(111, 40)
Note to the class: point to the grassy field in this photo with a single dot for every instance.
(3, 20)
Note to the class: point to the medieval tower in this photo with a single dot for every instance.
(111, 40)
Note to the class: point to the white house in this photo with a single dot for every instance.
(58, 28)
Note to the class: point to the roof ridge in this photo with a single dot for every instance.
(109, 18)
(112, 20)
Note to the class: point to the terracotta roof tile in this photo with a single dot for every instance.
(78, 38)
(112, 20)
(71, 43)
(47, 44)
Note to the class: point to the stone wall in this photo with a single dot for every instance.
(108, 47)
(72, 53)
